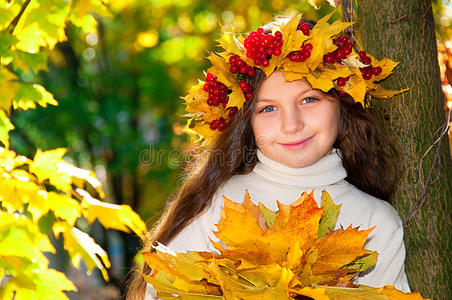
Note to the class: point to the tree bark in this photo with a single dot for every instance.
(404, 31)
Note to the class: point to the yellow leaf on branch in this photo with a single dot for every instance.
(45, 166)
(81, 246)
(119, 217)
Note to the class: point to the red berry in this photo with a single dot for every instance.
(221, 124)
(330, 58)
(366, 60)
(342, 93)
(265, 62)
(232, 111)
(233, 69)
(304, 27)
(367, 75)
(216, 100)
(243, 69)
(277, 51)
(205, 87)
(341, 81)
(251, 72)
(278, 35)
(343, 39)
(347, 50)
(362, 54)
(214, 124)
(260, 30)
(268, 39)
(249, 96)
(233, 59)
(376, 70)
(308, 47)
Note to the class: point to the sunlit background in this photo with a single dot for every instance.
(119, 90)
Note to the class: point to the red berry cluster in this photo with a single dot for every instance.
(368, 71)
(218, 92)
(222, 123)
(260, 47)
(301, 55)
(341, 81)
(303, 26)
(239, 66)
(219, 124)
(344, 48)
(247, 89)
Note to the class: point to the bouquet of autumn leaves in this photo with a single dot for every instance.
(290, 254)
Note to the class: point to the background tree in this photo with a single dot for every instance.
(405, 31)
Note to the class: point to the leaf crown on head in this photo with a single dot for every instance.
(325, 58)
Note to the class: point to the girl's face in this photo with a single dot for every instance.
(293, 123)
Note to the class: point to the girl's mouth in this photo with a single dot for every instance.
(298, 144)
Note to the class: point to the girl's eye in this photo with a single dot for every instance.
(309, 100)
(268, 108)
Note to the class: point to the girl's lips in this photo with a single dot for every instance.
(298, 145)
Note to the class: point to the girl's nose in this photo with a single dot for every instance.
(292, 121)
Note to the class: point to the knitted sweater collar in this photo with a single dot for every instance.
(328, 170)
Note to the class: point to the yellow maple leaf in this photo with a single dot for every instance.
(356, 87)
(323, 28)
(292, 38)
(232, 44)
(323, 77)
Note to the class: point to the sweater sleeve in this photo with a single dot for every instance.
(387, 240)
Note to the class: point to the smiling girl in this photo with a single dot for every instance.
(288, 137)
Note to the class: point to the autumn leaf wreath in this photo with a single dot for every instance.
(293, 253)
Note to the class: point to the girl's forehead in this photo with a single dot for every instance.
(276, 85)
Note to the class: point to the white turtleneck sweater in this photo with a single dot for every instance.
(270, 181)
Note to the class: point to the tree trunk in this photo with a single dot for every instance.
(404, 31)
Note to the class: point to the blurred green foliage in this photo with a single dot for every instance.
(119, 90)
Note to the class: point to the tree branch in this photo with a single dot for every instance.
(16, 19)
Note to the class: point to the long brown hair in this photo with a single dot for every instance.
(367, 155)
